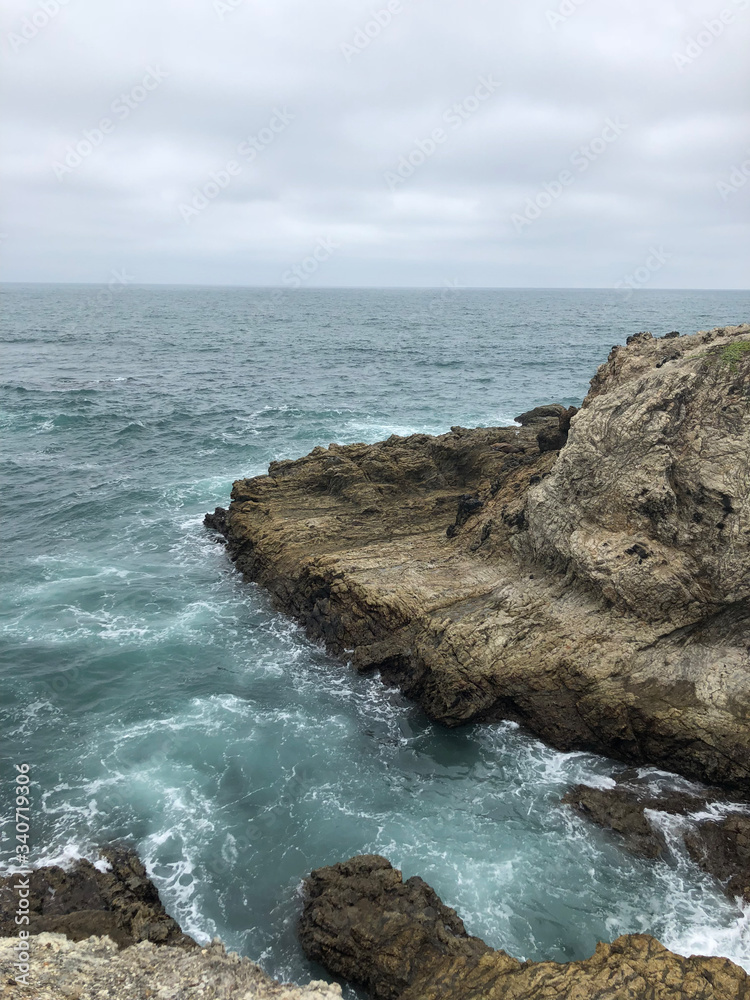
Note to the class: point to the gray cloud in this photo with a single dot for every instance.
(189, 87)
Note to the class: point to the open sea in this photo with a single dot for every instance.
(162, 701)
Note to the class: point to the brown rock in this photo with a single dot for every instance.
(600, 594)
(217, 521)
(540, 414)
(400, 942)
(122, 903)
(720, 846)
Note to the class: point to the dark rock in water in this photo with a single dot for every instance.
(122, 903)
(399, 941)
(671, 335)
(720, 845)
(401, 925)
(539, 414)
(217, 521)
(618, 809)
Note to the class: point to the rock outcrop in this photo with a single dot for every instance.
(121, 902)
(714, 832)
(587, 574)
(96, 933)
(92, 969)
(398, 941)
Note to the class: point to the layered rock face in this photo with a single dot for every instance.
(398, 941)
(587, 574)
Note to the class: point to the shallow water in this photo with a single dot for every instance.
(161, 700)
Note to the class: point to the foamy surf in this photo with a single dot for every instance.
(161, 701)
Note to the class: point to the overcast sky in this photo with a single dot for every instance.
(484, 142)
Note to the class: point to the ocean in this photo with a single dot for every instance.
(162, 701)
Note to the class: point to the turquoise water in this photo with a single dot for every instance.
(161, 700)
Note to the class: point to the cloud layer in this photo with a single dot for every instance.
(545, 143)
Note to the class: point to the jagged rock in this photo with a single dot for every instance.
(94, 969)
(717, 839)
(660, 457)
(363, 923)
(540, 414)
(467, 506)
(122, 903)
(722, 848)
(217, 521)
(565, 418)
(398, 941)
(600, 594)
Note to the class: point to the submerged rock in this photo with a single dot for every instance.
(398, 941)
(122, 903)
(715, 833)
(599, 593)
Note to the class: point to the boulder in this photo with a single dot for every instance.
(121, 902)
(398, 941)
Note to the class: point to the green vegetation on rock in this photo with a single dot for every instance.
(732, 354)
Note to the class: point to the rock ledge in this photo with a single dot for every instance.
(587, 574)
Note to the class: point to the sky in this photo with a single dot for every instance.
(533, 143)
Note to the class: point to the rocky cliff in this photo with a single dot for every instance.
(586, 573)
(398, 941)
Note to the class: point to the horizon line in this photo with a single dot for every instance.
(308, 288)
